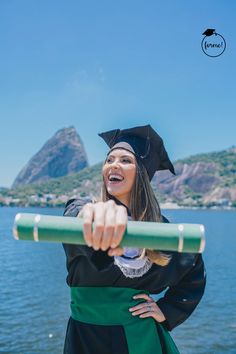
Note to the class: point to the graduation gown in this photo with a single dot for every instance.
(183, 279)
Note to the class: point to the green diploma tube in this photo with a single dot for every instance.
(152, 235)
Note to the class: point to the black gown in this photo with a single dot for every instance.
(184, 278)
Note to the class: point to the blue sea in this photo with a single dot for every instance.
(34, 297)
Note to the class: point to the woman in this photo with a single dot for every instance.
(112, 311)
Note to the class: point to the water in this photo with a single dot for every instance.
(212, 327)
(34, 298)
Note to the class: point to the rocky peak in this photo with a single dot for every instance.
(61, 155)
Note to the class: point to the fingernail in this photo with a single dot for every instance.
(141, 316)
(113, 245)
(130, 309)
(134, 297)
(89, 244)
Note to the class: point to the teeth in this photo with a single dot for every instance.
(115, 178)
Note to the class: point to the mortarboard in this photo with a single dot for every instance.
(144, 143)
(209, 32)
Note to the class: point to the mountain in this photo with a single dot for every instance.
(61, 155)
(203, 180)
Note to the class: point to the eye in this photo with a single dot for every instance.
(109, 160)
(125, 160)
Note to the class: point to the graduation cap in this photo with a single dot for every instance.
(209, 32)
(144, 143)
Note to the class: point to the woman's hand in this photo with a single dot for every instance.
(147, 309)
(110, 222)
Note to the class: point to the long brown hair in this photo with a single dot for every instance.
(143, 207)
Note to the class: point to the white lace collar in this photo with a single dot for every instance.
(133, 263)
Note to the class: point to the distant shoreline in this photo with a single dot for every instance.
(165, 206)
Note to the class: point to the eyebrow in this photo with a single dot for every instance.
(129, 156)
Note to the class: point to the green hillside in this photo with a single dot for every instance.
(225, 161)
(87, 182)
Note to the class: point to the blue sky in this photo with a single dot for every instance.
(102, 65)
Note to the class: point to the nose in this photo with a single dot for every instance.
(115, 163)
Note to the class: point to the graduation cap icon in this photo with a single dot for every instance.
(209, 32)
(144, 143)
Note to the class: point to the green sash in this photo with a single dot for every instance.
(110, 306)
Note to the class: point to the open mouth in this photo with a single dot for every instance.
(113, 178)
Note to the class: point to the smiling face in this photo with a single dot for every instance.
(119, 173)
